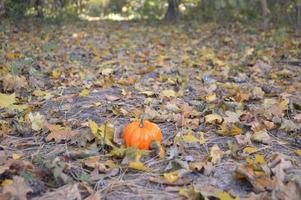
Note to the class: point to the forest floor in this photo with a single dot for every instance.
(227, 98)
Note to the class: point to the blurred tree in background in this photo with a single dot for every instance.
(264, 11)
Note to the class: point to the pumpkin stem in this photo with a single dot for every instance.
(141, 125)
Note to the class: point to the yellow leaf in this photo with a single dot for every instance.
(16, 156)
(85, 92)
(56, 73)
(7, 100)
(40, 93)
(221, 195)
(216, 154)
(202, 140)
(117, 152)
(169, 93)
(211, 97)
(190, 193)
(171, 177)
(229, 129)
(139, 166)
(249, 51)
(93, 127)
(298, 152)
(213, 118)
(284, 104)
(106, 131)
(190, 138)
(147, 93)
(259, 159)
(7, 182)
(249, 150)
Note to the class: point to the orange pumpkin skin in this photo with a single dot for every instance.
(141, 136)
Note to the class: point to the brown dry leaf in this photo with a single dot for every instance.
(12, 83)
(18, 189)
(216, 154)
(111, 97)
(290, 191)
(59, 133)
(257, 93)
(244, 139)
(232, 117)
(241, 95)
(67, 192)
(179, 182)
(278, 164)
(298, 118)
(95, 163)
(203, 167)
(213, 118)
(128, 81)
(261, 136)
(95, 196)
(259, 181)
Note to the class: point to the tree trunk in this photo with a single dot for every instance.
(173, 12)
(38, 5)
(299, 15)
(265, 12)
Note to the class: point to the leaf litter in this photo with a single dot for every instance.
(228, 109)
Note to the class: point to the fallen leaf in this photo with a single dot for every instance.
(222, 195)
(93, 127)
(16, 156)
(139, 166)
(18, 189)
(249, 150)
(67, 192)
(94, 196)
(213, 118)
(37, 121)
(59, 133)
(229, 129)
(190, 138)
(111, 97)
(244, 139)
(7, 100)
(13, 82)
(259, 159)
(258, 179)
(169, 93)
(216, 154)
(157, 149)
(261, 136)
(203, 167)
(85, 92)
(56, 73)
(278, 164)
(171, 177)
(298, 152)
(232, 117)
(257, 93)
(107, 71)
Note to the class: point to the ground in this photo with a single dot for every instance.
(226, 97)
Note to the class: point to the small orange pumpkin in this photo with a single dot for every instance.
(141, 133)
